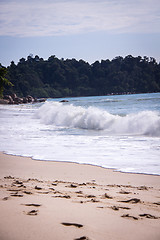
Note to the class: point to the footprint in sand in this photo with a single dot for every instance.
(132, 200)
(94, 200)
(16, 195)
(116, 208)
(157, 203)
(62, 196)
(73, 186)
(17, 182)
(142, 188)
(129, 216)
(32, 205)
(79, 192)
(146, 215)
(90, 196)
(38, 188)
(32, 213)
(124, 192)
(107, 196)
(28, 192)
(8, 177)
(82, 238)
(54, 184)
(5, 198)
(72, 224)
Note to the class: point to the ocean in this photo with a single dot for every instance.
(119, 131)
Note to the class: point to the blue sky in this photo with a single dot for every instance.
(83, 29)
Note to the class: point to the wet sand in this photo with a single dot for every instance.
(60, 200)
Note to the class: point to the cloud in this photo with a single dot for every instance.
(53, 18)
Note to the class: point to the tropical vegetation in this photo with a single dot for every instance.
(3, 80)
(69, 78)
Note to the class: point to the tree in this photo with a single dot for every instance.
(67, 78)
(3, 80)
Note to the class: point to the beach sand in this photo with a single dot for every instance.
(59, 200)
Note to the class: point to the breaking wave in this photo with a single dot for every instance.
(92, 118)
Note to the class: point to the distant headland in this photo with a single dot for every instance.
(56, 78)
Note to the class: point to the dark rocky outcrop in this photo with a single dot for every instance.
(9, 98)
(4, 101)
(13, 99)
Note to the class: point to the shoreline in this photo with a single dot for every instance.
(85, 164)
(65, 200)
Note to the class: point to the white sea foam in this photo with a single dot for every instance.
(123, 133)
(92, 118)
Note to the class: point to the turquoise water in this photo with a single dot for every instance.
(121, 132)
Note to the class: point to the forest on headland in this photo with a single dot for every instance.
(55, 77)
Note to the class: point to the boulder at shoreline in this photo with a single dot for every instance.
(13, 99)
(4, 101)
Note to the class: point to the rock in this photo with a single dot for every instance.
(13, 99)
(30, 99)
(4, 101)
(64, 101)
(8, 97)
(13, 96)
(25, 100)
(41, 100)
(18, 100)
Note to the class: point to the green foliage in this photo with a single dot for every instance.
(3, 80)
(64, 78)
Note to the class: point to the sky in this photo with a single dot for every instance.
(82, 29)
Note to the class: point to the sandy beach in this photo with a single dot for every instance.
(61, 200)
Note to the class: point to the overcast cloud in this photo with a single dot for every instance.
(57, 18)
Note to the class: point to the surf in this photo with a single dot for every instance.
(93, 118)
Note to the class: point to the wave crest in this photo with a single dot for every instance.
(92, 118)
